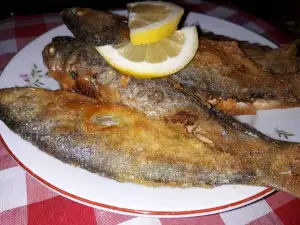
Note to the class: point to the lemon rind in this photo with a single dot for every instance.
(158, 30)
(177, 11)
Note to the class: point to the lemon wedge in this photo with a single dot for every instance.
(156, 59)
(152, 21)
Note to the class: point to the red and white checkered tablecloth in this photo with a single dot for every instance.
(24, 201)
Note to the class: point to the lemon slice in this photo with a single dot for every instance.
(152, 21)
(153, 60)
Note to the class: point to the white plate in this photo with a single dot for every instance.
(91, 189)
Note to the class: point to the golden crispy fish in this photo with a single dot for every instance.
(120, 143)
(221, 72)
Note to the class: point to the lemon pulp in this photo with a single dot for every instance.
(157, 59)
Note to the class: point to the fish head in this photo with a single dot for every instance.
(67, 58)
(96, 27)
(66, 54)
(78, 66)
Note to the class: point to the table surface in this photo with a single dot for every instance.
(24, 201)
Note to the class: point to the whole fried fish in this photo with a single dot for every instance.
(120, 143)
(221, 73)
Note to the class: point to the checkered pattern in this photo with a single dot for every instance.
(23, 200)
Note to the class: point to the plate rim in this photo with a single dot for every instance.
(200, 212)
(135, 212)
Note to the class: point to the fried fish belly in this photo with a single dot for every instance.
(221, 72)
(121, 143)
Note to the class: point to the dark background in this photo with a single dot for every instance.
(283, 14)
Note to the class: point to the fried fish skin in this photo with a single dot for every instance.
(123, 144)
(221, 71)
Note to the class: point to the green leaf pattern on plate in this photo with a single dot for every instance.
(283, 133)
(34, 78)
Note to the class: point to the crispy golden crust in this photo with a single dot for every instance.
(282, 60)
(220, 69)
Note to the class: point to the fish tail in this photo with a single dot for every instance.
(284, 170)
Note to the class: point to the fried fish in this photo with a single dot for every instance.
(123, 144)
(221, 72)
